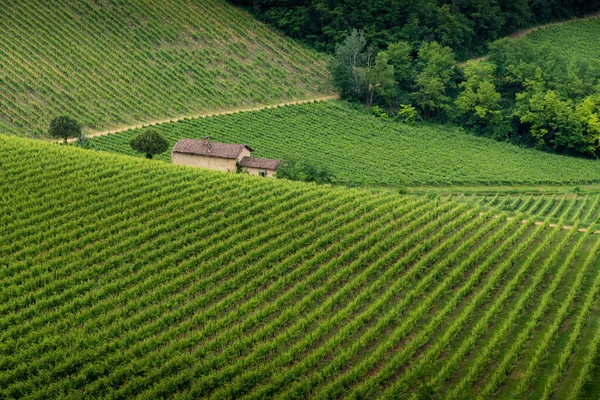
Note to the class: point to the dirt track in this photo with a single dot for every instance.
(525, 32)
(91, 134)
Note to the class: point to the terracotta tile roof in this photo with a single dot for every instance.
(208, 148)
(264, 163)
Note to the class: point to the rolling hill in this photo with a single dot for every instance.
(122, 277)
(129, 278)
(361, 149)
(113, 63)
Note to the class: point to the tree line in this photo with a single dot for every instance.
(466, 26)
(523, 93)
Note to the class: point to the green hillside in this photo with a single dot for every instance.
(124, 277)
(363, 150)
(109, 63)
(578, 39)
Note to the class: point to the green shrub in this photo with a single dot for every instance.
(408, 114)
(303, 171)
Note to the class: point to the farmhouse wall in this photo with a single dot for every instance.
(214, 163)
(256, 171)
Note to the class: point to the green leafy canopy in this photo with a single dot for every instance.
(150, 143)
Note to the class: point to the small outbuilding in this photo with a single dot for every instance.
(221, 157)
(265, 167)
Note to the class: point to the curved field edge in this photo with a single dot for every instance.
(575, 40)
(133, 278)
(360, 149)
(109, 64)
(204, 115)
(554, 33)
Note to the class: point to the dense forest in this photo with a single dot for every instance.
(466, 26)
(524, 93)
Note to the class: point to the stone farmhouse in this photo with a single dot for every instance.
(221, 157)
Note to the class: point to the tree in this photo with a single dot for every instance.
(344, 66)
(562, 124)
(379, 78)
(465, 25)
(453, 29)
(150, 143)
(431, 96)
(400, 54)
(479, 104)
(434, 64)
(550, 120)
(587, 112)
(64, 127)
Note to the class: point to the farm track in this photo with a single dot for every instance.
(92, 134)
(148, 61)
(525, 32)
(362, 150)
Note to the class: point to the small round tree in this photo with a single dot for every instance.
(150, 143)
(64, 127)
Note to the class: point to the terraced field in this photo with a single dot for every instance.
(126, 277)
(110, 63)
(361, 149)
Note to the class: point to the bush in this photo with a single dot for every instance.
(85, 142)
(305, 172)
(379, 112)
(408, 114)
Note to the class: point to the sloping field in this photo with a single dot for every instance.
(111, 63)
(123, 277)
(363, 150)
(578, 39)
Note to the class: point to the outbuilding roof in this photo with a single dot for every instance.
(209, 149)
(263, 163)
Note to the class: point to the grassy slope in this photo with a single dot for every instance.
(128, 277)
(578, 39)
(114, 63)
(361, 149)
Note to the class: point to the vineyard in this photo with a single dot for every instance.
(124, 277)
(570, 208)
(117, 63)
(577, 39)
(361, 149)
